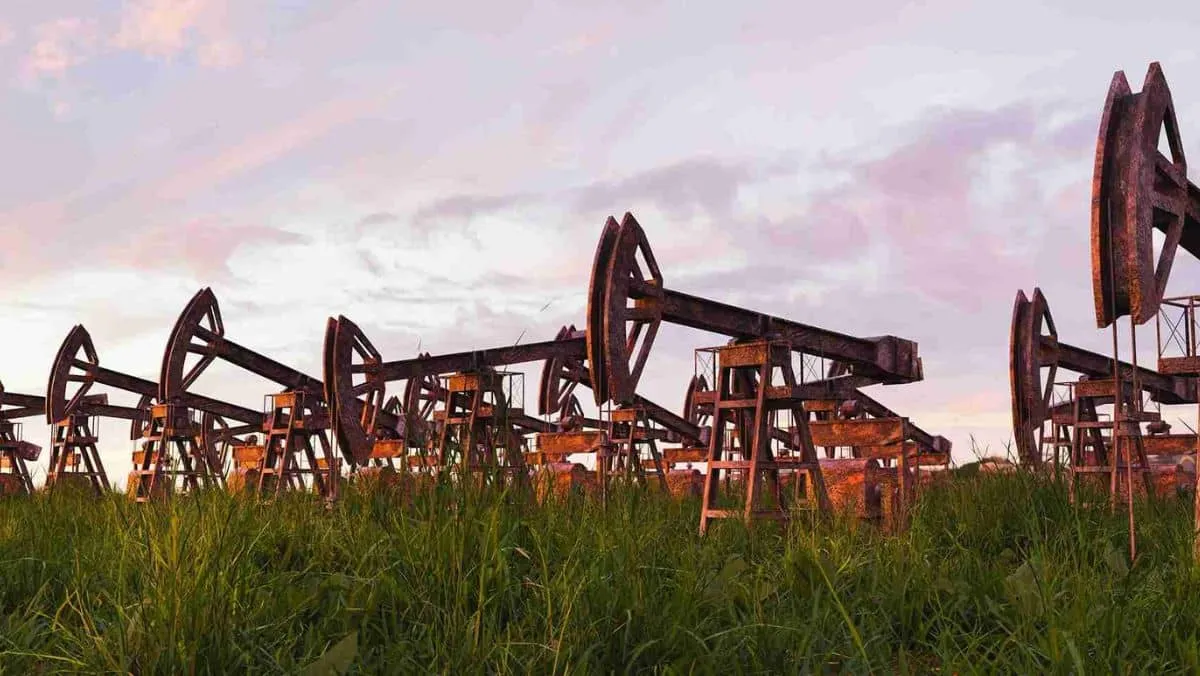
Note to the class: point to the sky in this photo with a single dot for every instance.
(439, 172)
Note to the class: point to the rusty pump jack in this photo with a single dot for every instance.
(295, 418)
(1036, 356)
(74, 456)
(1137, 189)
(627, 301)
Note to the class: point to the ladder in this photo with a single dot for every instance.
(758, 399)
(74, 456)
(294, 418)
(1113, 447)
(171, 435)
(478, 428)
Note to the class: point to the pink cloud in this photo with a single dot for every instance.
(578, 43)
(23, 230)
(202, 246)
(919, 197)
(260, 150)
(60, 45)
(164, 29)
(161, 28)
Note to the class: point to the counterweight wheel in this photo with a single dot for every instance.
(1135, 190)
(559, 378)
(1032, 333)
(631, 312)
(75, 362)
(198, 331)
(597, 287)
(697, 414)
(421, 397)
(351, 371)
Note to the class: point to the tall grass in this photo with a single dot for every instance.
(996, 573)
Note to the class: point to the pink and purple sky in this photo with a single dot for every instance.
(439, 172)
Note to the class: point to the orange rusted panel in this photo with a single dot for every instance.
(1169, 444)
(892, 451)
(625, 415)
(248, 455)
(560, 479)
(1164, 480)
(469, 382)
(850, 483)
(242, 480)
(1179, 366)
(821, 405)
(931, 459)
(565, 443)
(781, 392)
(865, 432)
(674, 455)
(388, 448)
(1094, 388)
(748, 354)
(284, 400)
(685, 483)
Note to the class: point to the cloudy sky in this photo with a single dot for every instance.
(439, 172)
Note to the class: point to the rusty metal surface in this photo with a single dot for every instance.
(1169, 444)
(859, 403)
(1136, 189)
(556, 446)
(620, 334)
(860, 432)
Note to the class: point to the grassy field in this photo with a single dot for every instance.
(998, 573)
